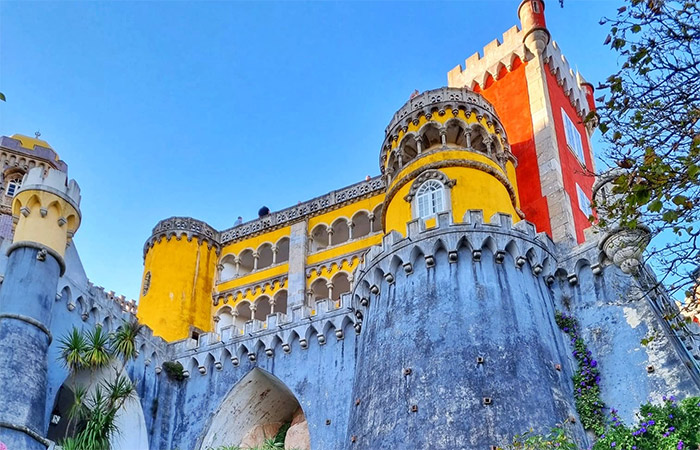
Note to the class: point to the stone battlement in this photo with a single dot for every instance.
(262, 339)
(55, 181)
(499, 54)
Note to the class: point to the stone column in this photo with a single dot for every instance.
(296, 284)
(329, 285)
(48, 215)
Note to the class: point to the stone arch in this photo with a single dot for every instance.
(224, 318)
(236, 422)
(280, 301)
(430, 136)
(264, 255)
(262, 307)
(455, 133)
(377, 222)
(130, 417)
(360, 224)
(246, 262)
(341, 231)
(319, 289)
(319, 237)
(244, 314)
(65, 295)
(479, 139)
(408, 149)
(282, 250)
(227, 267)
(341, 285)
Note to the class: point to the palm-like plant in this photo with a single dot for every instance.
(97, 353)
(73, 348)
(96, 411)
(123, 341)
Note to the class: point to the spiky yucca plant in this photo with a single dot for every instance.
(95, 411)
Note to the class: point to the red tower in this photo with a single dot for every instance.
(542, 103)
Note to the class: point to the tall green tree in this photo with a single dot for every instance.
(648, 116)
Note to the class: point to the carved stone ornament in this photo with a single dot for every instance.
(425, 176)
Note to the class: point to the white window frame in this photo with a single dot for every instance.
(573, 138)
(434, 203)
(584, 203)
(15, 185)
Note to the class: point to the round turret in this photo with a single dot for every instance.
(46, 211)
(532, 20)
(446, 150)
(179, 268)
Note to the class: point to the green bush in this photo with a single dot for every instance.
(670, 426)
(174, 370)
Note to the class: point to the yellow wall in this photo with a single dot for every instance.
(182, 276)
(44, 229)
(475, 189)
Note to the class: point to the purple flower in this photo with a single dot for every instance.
(671, 429)
(612, 445)
(680, 445)
(594, 363)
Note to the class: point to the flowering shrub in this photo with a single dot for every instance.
(586, 379)
(3, 446)
(670, 426)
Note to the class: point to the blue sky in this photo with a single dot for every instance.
(213, 109)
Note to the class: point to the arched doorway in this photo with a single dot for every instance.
(130, 421)
(257, 407)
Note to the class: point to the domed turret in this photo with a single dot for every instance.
(446, 150)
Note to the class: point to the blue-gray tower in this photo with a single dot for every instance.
(47, 214)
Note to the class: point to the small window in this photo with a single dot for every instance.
(12, 187)
(536, 7)
(573, 138)
(430, 199)
(584, 203)
(146, 283)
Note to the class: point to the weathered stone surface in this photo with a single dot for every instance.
(298, 436)
(298, 417)
(257, 435)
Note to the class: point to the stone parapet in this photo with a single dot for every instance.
(47, 154)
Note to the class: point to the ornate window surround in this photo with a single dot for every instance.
(426, 176)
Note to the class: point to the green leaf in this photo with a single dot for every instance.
(680, 200)
(2, 97)
(670, 216)
(655, 206)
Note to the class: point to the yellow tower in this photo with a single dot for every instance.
(180, 261)
(446, 150)
(46, 212)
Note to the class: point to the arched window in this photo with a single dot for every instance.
(430, 199)
(13, 186)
